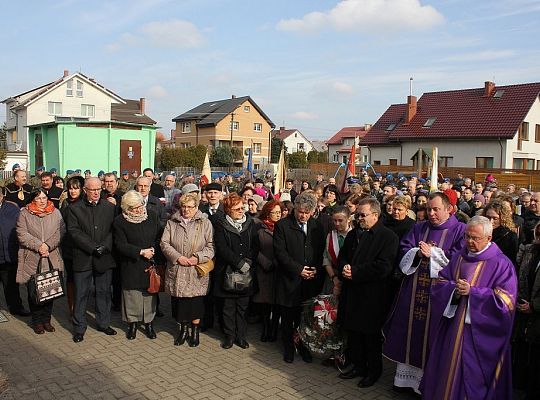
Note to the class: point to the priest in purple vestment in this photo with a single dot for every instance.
(424, 251)
(472, 313)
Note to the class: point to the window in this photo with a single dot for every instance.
(256, 167)
(523, 163)
(88, 110)
(257, 148)
(186, 127)
(184, 145)
(69, 88)
(12, 115)
(498, 94)
(79, 89)
(364, 158)
(335, 158)
(538, 165)
(301, 147)
(429, 122)
(344, 159)
(446, 161)
(392, 161)
(257, 127)
(523, 134)
(537, 133)
(390, 127)
(484, 162)
(246, 108)
(376, 162)
(55, 108)
(234, 125)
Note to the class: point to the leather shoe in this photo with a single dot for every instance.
(48, 327)
(288, 358)
(149, 331)
(78, 337)
(39, 329)
(21, 312)
(227, 343)
(107, 331)
(353, 373)
(305, 354)
(132, 331)
(241, 343)
(367, 382)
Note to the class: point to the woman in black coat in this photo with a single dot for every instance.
(235, 239)
(504, 234)
(136, 238)
(299, 243)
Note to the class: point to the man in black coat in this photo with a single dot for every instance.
(19, 191)
(90, 226)
(152, 203)
(155, 188)
(298, 247)
(365, 263)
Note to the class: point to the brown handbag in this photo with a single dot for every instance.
(204, 268)
(157, 278)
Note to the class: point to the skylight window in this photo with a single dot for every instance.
(498, 94)
(429, 122)
(390, 127)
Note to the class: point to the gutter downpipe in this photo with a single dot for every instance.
(501, 155)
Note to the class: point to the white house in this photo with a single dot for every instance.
(489, 127)
(339, 145)
(73, 96)
(294, 140)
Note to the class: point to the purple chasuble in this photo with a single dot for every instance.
(472, 361)
(406, 330)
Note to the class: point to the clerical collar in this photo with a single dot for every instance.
(481, 251)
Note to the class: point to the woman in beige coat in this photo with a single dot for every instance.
(186, 242)
(39, 229)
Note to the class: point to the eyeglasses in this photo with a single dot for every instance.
(237, 209)
(362, 215)
(275, 212)
(93, 190)
(473, 238)
(136, 207)
(186, 207)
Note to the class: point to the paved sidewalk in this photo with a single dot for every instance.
(51, 366)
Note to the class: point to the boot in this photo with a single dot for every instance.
(194, 337)
(274, 327)
(132, 331)
(70, 297)
(265, 328)
(149, 330)
(183, 334)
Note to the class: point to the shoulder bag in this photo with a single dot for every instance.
(46, 285)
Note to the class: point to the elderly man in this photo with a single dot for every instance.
(365, 262)
(19, 191)
(531, 217)
(90, 226)
(298, 248)
(53, 193)
(170, 192)
(213, 193)
(9, 213)
(142, 186)
(472, 313)
(155, 188)
(424, 251)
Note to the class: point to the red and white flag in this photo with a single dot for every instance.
(349, 171)
(206, 174)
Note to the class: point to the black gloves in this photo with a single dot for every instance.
(100, 250)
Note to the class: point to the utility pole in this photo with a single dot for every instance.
(232, 128)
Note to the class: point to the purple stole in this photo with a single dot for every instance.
(472, 361)
(406, 330)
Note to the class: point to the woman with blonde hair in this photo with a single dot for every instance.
(187, 242)
(504, 234)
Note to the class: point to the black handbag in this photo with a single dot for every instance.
(237, 281)
(46, 285)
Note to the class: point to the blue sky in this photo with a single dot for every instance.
(313, 65)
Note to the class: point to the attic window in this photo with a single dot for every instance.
(429, 122)
(498, 94)
(390, 127)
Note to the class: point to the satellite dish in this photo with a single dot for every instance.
(246, 151)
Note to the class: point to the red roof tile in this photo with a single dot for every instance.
(347, 132)
(459, 114)
(283, 133)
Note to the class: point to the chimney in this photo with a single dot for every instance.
(367, 127)
(489, 88)
(233, 96)
(66, 73)
(142, 105)
(281, 128)
(411, 109)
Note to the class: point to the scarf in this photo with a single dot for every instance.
(135, 218)
(236, 223)
(269, 224)
(34, 210)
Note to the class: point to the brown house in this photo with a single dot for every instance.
(237, 121)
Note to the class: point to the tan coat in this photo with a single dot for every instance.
(32, 231)
(181, 239)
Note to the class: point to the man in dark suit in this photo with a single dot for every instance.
(298, 247)
(365, 263)
(213, 206)
(90, 226)
(53, 192)
(155, 188)
(152, 202)
(19, 191)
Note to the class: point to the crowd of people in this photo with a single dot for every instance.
(445, 284)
